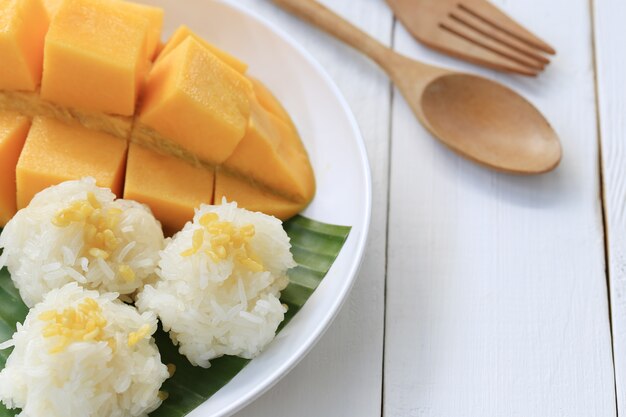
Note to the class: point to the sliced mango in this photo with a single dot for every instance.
(13, 130)
(95, 57)
(253, 198)
(55, 152)
(269, 102)
(23, 26)
(171, 187)
(184, 32)
(272, 155)
(196, 103)
(155, 16)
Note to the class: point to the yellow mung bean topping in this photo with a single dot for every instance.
(99, 238)
(225, 239)
(84, 323)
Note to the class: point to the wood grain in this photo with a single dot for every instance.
(497, 299)
(610, 16)
(342, 376)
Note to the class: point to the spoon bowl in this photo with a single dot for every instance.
(489, 123)
(479, 119)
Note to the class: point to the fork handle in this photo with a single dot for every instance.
(322, 17)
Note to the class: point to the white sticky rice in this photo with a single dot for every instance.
(42, 256)
(220, 307)
(87, 378)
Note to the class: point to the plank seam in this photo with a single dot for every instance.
(602, 192)
(389, 160)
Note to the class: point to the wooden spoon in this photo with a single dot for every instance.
(477, 118)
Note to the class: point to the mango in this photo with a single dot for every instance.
(154, 15)
(52, 6)
(253, 198)
(195, 104)
(13, 130)
(55, 152)
(203, 131)
(269, 102)
(171, 187)
(184, 32)
(23, 26)
(272, 155)
(95, 57)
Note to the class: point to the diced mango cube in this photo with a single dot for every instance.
(271, 154)
(13, 130)
(23, 27)
(95, 57)
(153, 14)
(55, 152)
(269, 102)
(168, 185)
(197, 102)
(155, 17)
(253, 198)
(184, 32)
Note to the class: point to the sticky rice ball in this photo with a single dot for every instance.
(80, 354)
(220, 283)
(78, 232)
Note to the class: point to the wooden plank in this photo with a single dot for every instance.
(610, 16)
(342, 375)
(496, 290)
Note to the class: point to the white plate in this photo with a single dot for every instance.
(336, 148)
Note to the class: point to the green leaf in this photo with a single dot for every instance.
(315, 247)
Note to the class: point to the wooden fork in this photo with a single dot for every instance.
(474, 30)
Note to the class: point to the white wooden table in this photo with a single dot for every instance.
(482, 294)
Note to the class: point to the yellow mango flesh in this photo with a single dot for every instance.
(184, 32)
(52, 6)
(55, 152)
(155, 16)
(169, 186)
(23, 26)
(269, 102)
(197, 102)
(13, 130)
(253, 198)
(271, 154)
(95, 57)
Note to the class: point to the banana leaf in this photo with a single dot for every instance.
(315, 247)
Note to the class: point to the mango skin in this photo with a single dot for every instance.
(198, 102)
(95, 57)
(13, 130)
(23, 27)
(55, 152)
(169, 186)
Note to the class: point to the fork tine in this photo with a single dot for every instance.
(455, 45)
(489, 44)
(488, 31)
(493, 16)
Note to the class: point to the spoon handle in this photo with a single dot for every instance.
(320, 16)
